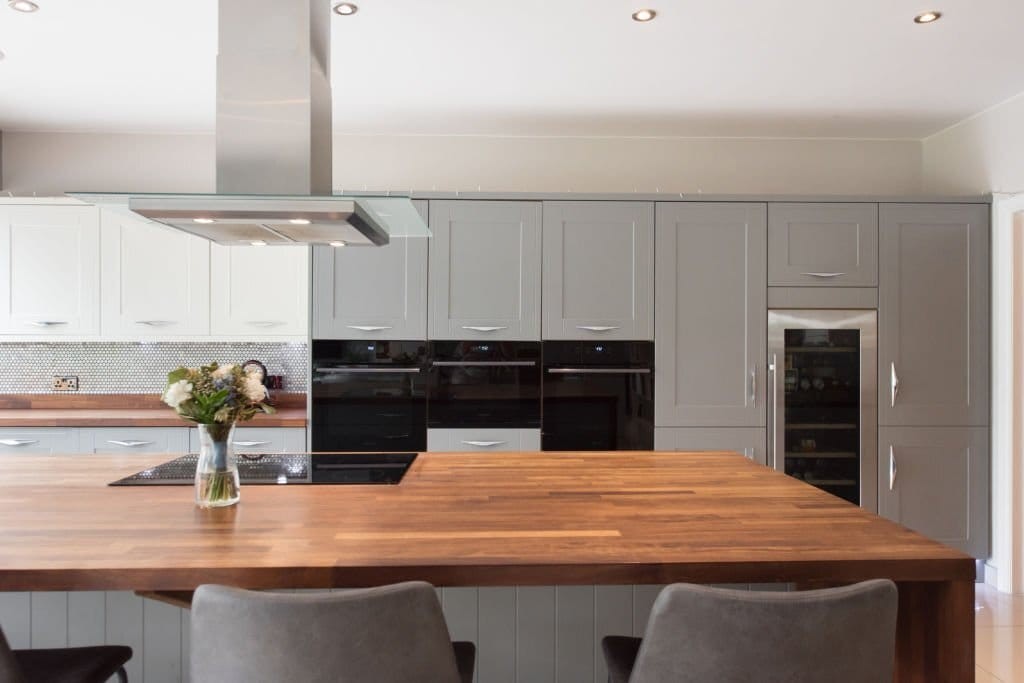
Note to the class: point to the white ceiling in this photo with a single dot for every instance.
(540, 67)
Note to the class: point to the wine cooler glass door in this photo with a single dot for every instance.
(823, 416)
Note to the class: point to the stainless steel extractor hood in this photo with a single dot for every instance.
(274, 143)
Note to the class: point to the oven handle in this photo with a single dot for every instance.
(484, 363)
(336, 371)
(599, 371)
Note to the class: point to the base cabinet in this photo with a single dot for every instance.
(751, 441)
(482, 440)
(935, 480)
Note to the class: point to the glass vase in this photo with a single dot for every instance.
(217, 469)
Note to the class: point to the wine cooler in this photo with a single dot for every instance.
(822, 410)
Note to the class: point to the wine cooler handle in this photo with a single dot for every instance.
(772, 435)
(892, 469)
(894, 385)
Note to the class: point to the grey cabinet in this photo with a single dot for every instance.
(372, 292)
(823, 245)
(260, 440)
(485, 265)
(750, 441)
(38, 440)
(935, 480)
(711, 315)
(933, 315)
(598, 270)
(483, 440)
(118, 440)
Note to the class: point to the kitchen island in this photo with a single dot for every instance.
(484, 520)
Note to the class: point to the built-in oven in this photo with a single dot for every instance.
(598, 396)
(369, 396)
(484, 384)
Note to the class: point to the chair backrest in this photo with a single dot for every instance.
(391, 634)
(840, 635)
(9, 670)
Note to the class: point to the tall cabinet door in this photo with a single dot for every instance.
(372, 292)
(935, 480)
(49, 270)
(156, 281)
(485, 264)
(711, 315)
(259, 291)
(598, 270)
(933, 315)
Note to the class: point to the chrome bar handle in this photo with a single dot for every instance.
(823, 275)
(894, 385)
(773, 429)
(484, 363)
(753, 385)
(892, 469)
(370, 370)
(599, 371)
(18, 442)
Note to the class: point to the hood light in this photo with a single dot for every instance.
(345, 9)
(299, 221)
(23, 5)
(644, 15)
(337, 243)
(203, 221)
(927, 17)
(258, 243)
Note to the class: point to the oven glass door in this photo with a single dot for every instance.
(598, 409)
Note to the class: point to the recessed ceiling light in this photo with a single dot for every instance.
(927, 17)
(337, 243)
(258, 243)
(644, 15)
(204, 221)
(299, 221)
(345, 9)
(23, 5)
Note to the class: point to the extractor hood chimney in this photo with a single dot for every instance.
(274, 142)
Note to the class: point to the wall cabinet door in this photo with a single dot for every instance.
(259, 291)
(598, 270)
(372, 292)
(750, 441)
(49, 270)
(933, 315)
(485, 265)
(711, 315)
(823, 245)
(156, 281)
(935, 480)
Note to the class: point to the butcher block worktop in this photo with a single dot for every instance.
(484, 519)
(123, 410)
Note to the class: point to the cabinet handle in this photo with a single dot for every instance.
(17, 442)
(599, 371)
(369, 328)
(484, 328)
(826, 275)
(358, 370)
(484, 444)
(892, 469)
(156, 323)
(772, 417)
(265, 323)
(129, 444)
(484, 363)
(48, 323)
(753, 386)
(894, 385)
(249, 444)
(598, 328)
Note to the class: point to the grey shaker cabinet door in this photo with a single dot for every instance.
(372, 292)
(751, 442)
(485, 264)
(933, 315)
(935, 480)
(711, 315)
(823, 245)
(598, 270)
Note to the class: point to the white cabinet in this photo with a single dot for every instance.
(372, 292)
(49, 270)
(156, 281)
(259, 291)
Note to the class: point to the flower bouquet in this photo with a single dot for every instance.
(216, 397)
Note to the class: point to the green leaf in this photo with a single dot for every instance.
(177, 375)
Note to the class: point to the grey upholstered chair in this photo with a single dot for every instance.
(698, 633)
(391, 634)
(63, 665)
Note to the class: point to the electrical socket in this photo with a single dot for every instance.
(64, 383)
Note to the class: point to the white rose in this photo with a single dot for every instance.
(178, 393)
(223, 371)
(253, 388)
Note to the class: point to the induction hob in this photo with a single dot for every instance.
(286, 468)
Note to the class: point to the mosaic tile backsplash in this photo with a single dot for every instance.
(136, 367)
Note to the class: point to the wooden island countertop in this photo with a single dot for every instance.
(484, 519)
